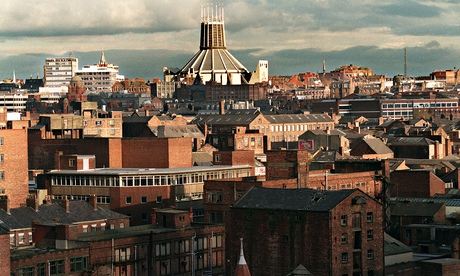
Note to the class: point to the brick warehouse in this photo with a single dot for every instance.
(114, 152)
(285, 228)
(171, 245)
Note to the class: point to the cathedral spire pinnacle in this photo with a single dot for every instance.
(242, 268)
(103, 61)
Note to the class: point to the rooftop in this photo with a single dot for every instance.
(292, 199)
(394, 247)
(132, 171)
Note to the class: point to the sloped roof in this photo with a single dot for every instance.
(394, 247)
(410, 141)
(292, 199)
(414, 209)
(299, 271)
(191, 131)
(298, 118)
(377, 146)
(210, 120)
(55, 213)
(214, 60)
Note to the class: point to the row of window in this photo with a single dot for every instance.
(56, 267)
(21, 239)
(345, 258)
(300, 127)
(369, 234)
(99, 199)
(356, 219)
(419, 105)
(147, 180)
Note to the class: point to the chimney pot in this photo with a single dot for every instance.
(93, 202)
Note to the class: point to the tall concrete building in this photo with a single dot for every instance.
(213, 62)
(59, 71)
(100, 77)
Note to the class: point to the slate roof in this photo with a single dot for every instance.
(202, 158)
(292, 199)
(298, 118)
(449, 202)
(191, 131)
(377, 146)
(211, 120)
(300, 270)
(394, 247)
(410, 141)
(414, 209)
(55, 214)
(137, 119)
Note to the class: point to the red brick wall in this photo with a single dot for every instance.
(5, 254)
(118, 195)
(415, 184)
(277, 241)
(285, 164)
(42, 152)
(365, 181)
(157, 153)
(15, 166)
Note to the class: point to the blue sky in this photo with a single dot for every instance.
(142, 36)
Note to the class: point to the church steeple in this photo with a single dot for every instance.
(242, 268)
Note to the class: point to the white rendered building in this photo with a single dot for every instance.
(100, 77)
(59, 71)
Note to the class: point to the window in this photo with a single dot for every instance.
(123, 254)
(163, 249)
(30, 237)
(85, 228)
(57, 267)
(370, 254)
(370, 217)
(344, 238)
(2, 158)
(370, 235)
(72, 163)
(78, 264)
(41, 269)
(26, 271)
(344, 220)
(2, 175)
(12, 239)
(143, 199)
(129, 200)
(21, 238)
(2, 141)
(344, 258)
(159, 199)
(217, 158)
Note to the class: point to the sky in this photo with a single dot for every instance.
(143, 36)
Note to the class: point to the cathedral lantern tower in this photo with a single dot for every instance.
(213, 62)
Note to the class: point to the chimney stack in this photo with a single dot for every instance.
(93, 202)
(5, 204)
(67, 205)
(153, 216)
(222, 107)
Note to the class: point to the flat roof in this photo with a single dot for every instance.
(147, 171)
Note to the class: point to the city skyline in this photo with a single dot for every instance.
(293, 35)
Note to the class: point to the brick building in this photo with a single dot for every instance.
(134, 86)
(285, 228)
(4, 253)
(13, 166)
(416, 183)
(171, 245)
(113, 152)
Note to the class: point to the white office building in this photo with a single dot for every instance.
(59, 71)
(100, 77)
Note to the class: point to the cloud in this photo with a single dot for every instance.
(410, 9)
